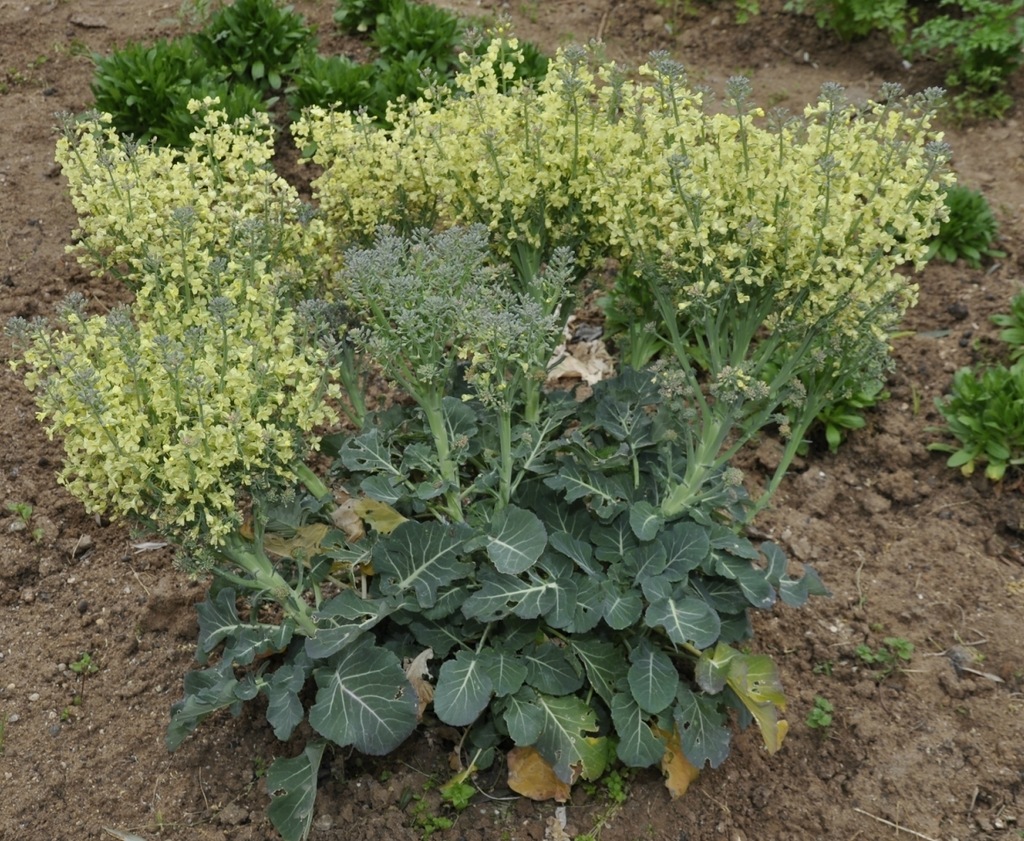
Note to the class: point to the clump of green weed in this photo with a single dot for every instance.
(970, 231)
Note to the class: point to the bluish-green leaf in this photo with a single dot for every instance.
(652, 677)
(795, 591)
(506, 670)
(341, 620)
(291, 784)
(218, 619)
(364, 699)
(686, 545)
(622, 607)
(581, 552)
(502, 594)
(589, 605)
(206, 692)
(751, 580)
(638, 747)
(566, 723)
(685, 620)
(604, 663)
(463, 690)
(551, 670)
(366, 453)
(422, 557)
(284, 709)
(702, 731)
(516, 540)
(645, 561)
(712, 668)
(645, 520)
(612, 540)
(523, 718)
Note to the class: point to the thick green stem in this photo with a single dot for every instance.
(314, 484)
(265, 578)
(449, 474)
(505, 446)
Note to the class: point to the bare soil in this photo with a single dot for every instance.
(909, 548)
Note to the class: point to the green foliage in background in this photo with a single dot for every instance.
(984, 410)
(259, 42)
(970, 230)
(147, 89)
(979, 42)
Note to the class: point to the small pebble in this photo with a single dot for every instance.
(34, 697)
(13, 718)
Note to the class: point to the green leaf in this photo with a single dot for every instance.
(523, 718)
(206, 692)
(341, 620)
(421, 556)
(622, 607)
(638, 747)
(291, 784)
(645, 561)
(712, 668)
(463, 690)
(516, 540)
(612, 540)
(503, 594)
(701, 726)
(604, 663)
(685, 620)
(652, 677)
(645, 520)
(686, 545)
(366, 453)
(218, 620)
(284, 708)
(563, 741)
(507, 671)
(364, 699)
(550, 669)
(581, 552)
(752, 580)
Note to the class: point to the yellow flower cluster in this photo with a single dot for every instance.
(172, 408)
(143, 204)
(822, 209)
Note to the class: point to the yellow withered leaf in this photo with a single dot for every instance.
(381, 516)
(306, 542)
(530, 775)
(678, 770)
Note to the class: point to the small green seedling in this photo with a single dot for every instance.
(23, 511)
(820, 716)
(970, 231)
(83, 667)
(887, 658)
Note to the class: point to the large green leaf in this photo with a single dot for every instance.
(795, 591)
(563, 740)
(366, 453)
(581, 552)
(652, 677)
(604, 663)
(364, 699)
(341, 620)
(645, 561)
(755, 680)
(503, 594)
(701, 726)
(463, 690)
(422, 557)
(687, 545)
(206, 692)
(243, 641)
(515, 540)
(638, 746)
(612, 540)
(645, 520)
(622, 607)
(284, 708)
(506, 670)
(606, 495)
(685, 620)
(291, 784)
(523, 718)
(589, 604)
(551, 670)
(752, 581)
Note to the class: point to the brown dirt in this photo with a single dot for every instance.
(909, 548)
